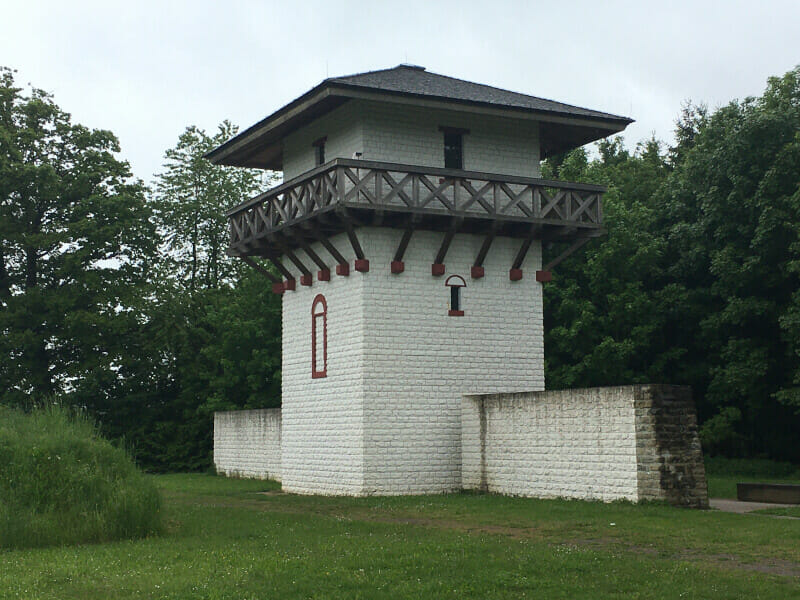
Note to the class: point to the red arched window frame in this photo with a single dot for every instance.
(319, 337)
(455, 283)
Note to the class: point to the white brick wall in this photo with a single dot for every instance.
(410, 135)
(387, 419)
(323, 418)
(343, 129)
(579, 443)
(247, 443)
(390, 132)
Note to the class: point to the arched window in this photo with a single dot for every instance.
(455, 283)
(319, 337)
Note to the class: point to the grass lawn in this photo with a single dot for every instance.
(224, 540)
(786, 511)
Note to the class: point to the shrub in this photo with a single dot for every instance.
(62, 483)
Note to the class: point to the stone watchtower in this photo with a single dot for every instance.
(407, 235)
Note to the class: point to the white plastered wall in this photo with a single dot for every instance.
(323, 418)
(400, 133)
(387, 418)
(247, 443)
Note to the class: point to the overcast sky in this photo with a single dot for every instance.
(146, 70)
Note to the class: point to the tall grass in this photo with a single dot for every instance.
(62, 483)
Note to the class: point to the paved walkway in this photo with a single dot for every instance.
(740, 507)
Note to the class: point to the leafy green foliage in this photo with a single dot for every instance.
(210, 339)
(75, 239)
(61, 483)
(697, 281)
(123, 302)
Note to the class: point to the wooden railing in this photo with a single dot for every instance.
(421, 191)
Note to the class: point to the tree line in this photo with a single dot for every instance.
(117, 297)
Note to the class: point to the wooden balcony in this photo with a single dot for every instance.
(344, 194)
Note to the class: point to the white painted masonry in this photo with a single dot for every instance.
(398, 133)
(571, 444)
(630, 442)
(390, 415)
(387, 418)
(323, 430)
(410, 135)
(247, 443)
(343, 129)
(419, 361)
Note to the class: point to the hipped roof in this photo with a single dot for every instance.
(563, 126)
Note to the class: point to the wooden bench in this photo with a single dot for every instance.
(779, 493)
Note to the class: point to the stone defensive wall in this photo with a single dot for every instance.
(632, 442)
(247, 443)
(618, 443)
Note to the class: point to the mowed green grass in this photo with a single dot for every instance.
(225, 540)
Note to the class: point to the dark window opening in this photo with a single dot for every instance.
(453, 151)
(455, 298)
(319, 151)
(455, 283)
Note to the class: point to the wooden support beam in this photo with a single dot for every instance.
(573, 248)
(323, 239)
(351, 235)
(487, 242)
(313, 255)
(266, 252)
(523, 250)
(249, 261)
(401, 249)
(291, 256)
(279, 265)
(448, 237)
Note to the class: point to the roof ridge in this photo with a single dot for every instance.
(353, 79)
(361, 73)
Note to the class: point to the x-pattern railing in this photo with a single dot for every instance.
(413, 189)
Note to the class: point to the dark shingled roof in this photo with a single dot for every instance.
(562, 127)
(412, 79)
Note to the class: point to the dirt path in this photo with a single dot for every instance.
(741, 508)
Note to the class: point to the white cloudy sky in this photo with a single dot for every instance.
(148, 69)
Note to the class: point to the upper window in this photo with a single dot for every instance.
(456, 283)
(453, 147)
(319, 337)
(453, 151)
(319, 151)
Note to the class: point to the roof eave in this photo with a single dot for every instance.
(240, 150)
